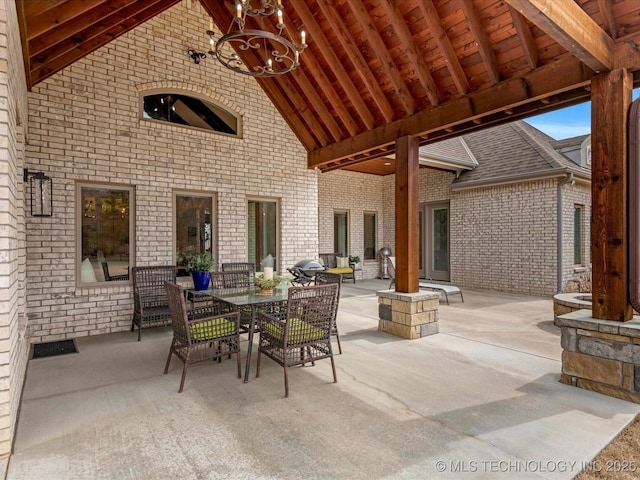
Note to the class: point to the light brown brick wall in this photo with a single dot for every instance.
(355, 193)
(13, 120)
(578, 194)
(503, 238)
(86, 126)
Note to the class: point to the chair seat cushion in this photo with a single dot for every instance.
(299, 331)
(211, 329)
(340, 270)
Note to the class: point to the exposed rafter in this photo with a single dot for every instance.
(430, 14)
(484, 45)
(572, 28)
(376, 69)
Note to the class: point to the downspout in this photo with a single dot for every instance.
(560, 267)
(634, 205)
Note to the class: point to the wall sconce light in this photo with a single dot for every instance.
(196, 56)
(41, 193)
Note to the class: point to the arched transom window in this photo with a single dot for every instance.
(182, 109)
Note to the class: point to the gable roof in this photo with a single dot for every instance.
(514, 152)
(451, 154)
(377, 70)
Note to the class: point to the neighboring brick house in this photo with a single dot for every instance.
(498, 197)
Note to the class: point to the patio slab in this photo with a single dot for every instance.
(480, 399)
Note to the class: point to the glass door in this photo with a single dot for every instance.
(438, 245)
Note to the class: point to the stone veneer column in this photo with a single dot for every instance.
(601, 355)
(408, 315)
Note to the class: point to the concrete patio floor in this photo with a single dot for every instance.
(479, 400)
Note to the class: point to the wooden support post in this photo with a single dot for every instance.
(610, 101)
(407, 166)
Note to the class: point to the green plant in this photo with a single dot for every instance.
(264, 283)
(354, 259)
(201, 262)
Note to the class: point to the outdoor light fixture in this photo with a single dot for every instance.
(197, 56)
(41, 193)
(276, 53)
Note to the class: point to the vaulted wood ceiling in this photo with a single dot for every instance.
(377, 70)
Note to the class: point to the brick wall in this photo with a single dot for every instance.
(572, 195)
(85, 125)
(355, 193)
(503, 238)
(13, 120)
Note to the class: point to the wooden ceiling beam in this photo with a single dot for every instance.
(222, 17)
(609, 16)
(543, 82)
(526, 38)
(95, 36)
(317, 37)
(379, 49)
(47, 20)
(360, 64)
(75, 26)
(571, 27)
(484, 45)
(627, 53)
(281, 102)
(406, 39)
(431, 16)
(21, 9)
(301, 108)
(318, 105)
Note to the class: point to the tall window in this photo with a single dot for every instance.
(341, 232)
(370, 225)
(194, 232)
(106, 233)
(577, 234)
(263, 232)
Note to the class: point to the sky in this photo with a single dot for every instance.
(567, 122)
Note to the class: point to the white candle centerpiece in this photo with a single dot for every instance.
(267, 273)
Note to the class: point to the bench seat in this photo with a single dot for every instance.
(446, 289)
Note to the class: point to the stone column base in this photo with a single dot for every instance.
(408, 315)
(601, 355)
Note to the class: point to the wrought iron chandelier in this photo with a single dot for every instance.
(275, 50)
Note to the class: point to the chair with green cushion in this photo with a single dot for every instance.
(323, 278)
(202, 338)
(331, 262)
(301, 333)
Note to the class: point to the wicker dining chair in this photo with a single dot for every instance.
(323, 278)
(231, 266)
(235, 279)
(231, 279)
(302, 333)
(196, 340)
(150, 306)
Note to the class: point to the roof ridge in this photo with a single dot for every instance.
(545, 150)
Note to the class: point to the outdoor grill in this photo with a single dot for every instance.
(304, 271)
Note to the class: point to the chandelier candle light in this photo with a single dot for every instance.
(276, 53)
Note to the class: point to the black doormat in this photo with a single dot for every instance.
(50, 349)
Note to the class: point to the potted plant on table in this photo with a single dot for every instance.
(266, 285)
(200, 267)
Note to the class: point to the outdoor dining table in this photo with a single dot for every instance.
(241, 297)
